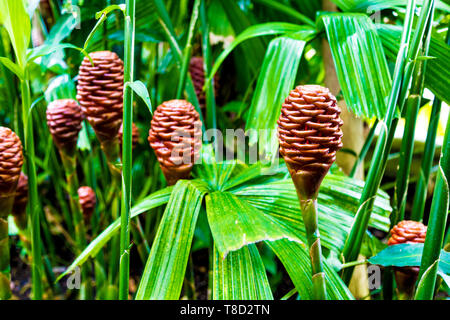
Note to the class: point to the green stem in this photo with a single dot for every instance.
(365, 148)
(171, 37)
(310, 219)
(34, 217)
(124, 261)
(188, 51)
(437, 222)
(397, 99)
(407, 147)
(69, 163)
(6, 203)
(211, 113)
(420, 194)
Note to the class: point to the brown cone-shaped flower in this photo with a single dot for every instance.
(134, 136)
(64, 118)
(309, 130)
(197, 71)
(100, 93)
(408, 231)
(20, 202)
(11, 160)
(87, 201)
(175, 135)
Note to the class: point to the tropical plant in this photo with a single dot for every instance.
(235, 230)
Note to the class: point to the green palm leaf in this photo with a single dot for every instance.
(296, 260)
(152, 201)
(438, 69)
(360, 62)
(378, 5)
(337, 204)
(235, 223)
(165, 268)
(276, 80)
(240, 276)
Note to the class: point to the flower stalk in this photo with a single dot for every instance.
(34, 214)
(124, 262)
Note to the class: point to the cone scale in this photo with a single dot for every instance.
(175, 136)
(11, 161)
(309, 132)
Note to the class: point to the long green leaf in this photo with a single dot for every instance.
(337, 205)
(12, 67)
(154, 200)
(360, 62)
(423, 289)
(265, 29)
(234, 223)
(438, 69)
(276, 79)
(438, 218)
(408, 254)
(16, 21)
(165, 268)
(240, 276)
(295, 259)
(378, 5)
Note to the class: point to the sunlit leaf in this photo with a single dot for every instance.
(360, 62)
(165, 268)
(408, 254)
(276, 80)
(296, 260)
(15, 19)
(235, 223)
(240, 276)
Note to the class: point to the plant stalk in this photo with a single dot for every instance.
(420, 194)
(211, 112)
(365, 149)
(124, 261)
(437, 222)
(69, 163)
(407, 147)
(34, 207)
(310, 219)
(188, 51)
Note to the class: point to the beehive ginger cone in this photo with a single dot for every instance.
(11, 161)
(407, 231)
(309, 131)
(20, 202)
(64, 118)
(197, 71)
(88, 201)
(175, 136)
(100, 93)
